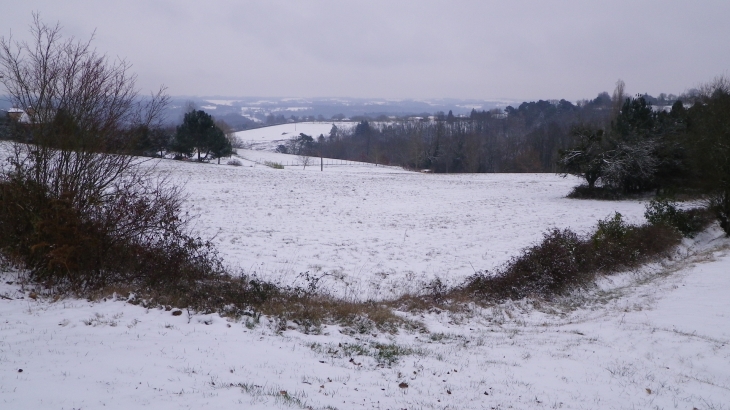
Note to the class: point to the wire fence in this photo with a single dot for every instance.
(314, 162)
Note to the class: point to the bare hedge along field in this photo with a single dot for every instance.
(654, 338)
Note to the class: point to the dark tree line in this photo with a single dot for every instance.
(624, 143)
(685, 150)
(198, 134)
(523, 139)
(640, 150)
(706, 144)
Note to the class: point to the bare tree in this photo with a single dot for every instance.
(630, 165)
(83, 110)
(85, 206)
(52, 74)
(304, 160)
(617, 100)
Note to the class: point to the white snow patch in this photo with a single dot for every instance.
(267, 138)
(377, 231)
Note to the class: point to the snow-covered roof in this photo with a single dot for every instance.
(19, 114)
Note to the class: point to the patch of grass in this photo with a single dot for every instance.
(310, 311)
(355, 349)
(441, 337)
(342, 350)
(385, 354)
(280, 396)
(252, 319)
(390, 353)
(272, 164)
(100, 320)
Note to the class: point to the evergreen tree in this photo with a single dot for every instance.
(450, 117)
(198, 132)
(221, 147)
(709, 139)
(636, 119)
(585, 159)
(632, 161)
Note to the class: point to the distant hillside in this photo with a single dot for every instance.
(250, 112)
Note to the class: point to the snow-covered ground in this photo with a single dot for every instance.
(267, 138)
(377, 231)
(657, 338)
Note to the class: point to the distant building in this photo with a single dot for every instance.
(667, 108)
(18, 115)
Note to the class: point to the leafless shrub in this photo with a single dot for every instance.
(629, 162)
(74, 209)
(304, 160)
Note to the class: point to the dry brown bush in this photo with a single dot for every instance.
(563, 260)
(74, 209)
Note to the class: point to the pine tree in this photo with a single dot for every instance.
(709, 139)
(198, 132)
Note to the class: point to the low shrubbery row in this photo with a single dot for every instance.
(564, 260)
(561, 262)
(599, 192)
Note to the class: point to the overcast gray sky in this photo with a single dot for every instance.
(400, 49)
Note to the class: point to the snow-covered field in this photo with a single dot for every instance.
(658, 338)
(267, 138)
(377, 231)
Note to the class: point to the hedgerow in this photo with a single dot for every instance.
(564, 260)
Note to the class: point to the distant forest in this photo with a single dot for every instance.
(528, 138)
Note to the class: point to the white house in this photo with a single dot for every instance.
(19, 115)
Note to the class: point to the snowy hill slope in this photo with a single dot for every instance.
(655, 338)
(379, 230)
(267, 138)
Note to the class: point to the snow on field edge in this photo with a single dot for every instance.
(658, 338)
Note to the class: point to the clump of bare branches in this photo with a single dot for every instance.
(74, 208)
